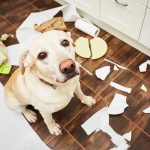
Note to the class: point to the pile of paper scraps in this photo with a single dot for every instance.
(100, 120)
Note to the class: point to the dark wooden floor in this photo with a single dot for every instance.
(71, 118)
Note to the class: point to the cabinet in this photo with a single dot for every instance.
(127, 19)
(145, 33)
(92, 7)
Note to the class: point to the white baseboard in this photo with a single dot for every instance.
(113, 31)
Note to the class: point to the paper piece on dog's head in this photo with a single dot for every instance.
(5, 69)
(143, 67)
(147, 110)
(56, 23)
(103, 72)
(143, 87)
(118, 105)
(128, 136)
(98, 47)
(82, 47)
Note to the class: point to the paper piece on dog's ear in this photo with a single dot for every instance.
(119, 66)
(14, 127)
(116, 68)
(120, 87)
(143, 87)
(128, 136)
(100, 121)
(82, 47)
(143, 67)
(98, 47)
(147, 110)
(118, 104)
(5, 69)
(103, 72)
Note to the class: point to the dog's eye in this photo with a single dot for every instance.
(65, 43)
(42, 55)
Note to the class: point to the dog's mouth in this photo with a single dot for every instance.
(70, 76)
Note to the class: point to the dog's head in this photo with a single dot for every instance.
(52, 57)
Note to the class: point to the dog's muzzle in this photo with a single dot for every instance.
(68, 68)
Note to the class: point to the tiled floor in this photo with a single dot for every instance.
(71, 118)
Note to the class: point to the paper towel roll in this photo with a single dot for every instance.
(87, 27)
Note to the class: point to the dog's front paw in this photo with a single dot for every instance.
(30, 115)
(88, 100)
(54, 129)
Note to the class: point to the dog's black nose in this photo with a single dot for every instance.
(67, 66)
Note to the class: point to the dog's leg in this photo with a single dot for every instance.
(88, 100)
(15, 105)
(29, 115)
(53, 127)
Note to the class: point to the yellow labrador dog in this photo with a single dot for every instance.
(47, 79)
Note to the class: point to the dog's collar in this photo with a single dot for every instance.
(47, 83)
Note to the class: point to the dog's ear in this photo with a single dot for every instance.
(25, 61)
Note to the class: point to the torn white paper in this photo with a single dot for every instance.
(116, 68)
(26, 30)
(147, 110)
(143, 67)
(103, 72)
(115, 64)
(100, 121)
(128, 136)
(118, 104)
(143, 87)
(15, 132)
(120, 87)
(116, 139)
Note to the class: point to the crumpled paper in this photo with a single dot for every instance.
(26, 32)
